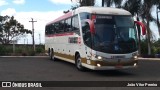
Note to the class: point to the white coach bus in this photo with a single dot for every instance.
(97, 38)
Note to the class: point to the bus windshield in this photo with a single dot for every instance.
(115, 34)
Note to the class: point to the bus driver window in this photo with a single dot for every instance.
(86, 34)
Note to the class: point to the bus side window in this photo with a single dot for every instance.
(75, 25)
(85, 15)
(61, 26)
(56, 27)
(46, 30)
(52, 29)
(49, 30)
(65, 26)
(69, 25)
(86, 33)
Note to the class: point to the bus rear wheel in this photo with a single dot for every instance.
(51, 55)
(79, 63)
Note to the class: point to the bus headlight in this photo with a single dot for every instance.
(135, 57)
(99, 57)
(99, 65)
(135, 64)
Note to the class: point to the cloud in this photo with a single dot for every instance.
(9, 12)
(3, 2)
(19, 1)
(42, 19)
(61, 1)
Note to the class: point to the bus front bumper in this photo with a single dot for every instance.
(116, 67)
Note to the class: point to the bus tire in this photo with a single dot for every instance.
(52, 55)
(79, 63)
(48, 51)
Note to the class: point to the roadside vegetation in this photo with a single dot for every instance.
(21, 50)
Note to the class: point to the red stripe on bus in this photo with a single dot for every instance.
(56, 35)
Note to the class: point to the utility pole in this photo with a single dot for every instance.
(27, 41)
(39, 38)
(158, 23)
(32, 21)
(24, 41)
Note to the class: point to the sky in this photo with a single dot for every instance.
(42, 11)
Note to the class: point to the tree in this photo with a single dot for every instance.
(11, 29)
(109, 3)
(157, 21)
(86, 2)
(146, 9)
(81, 3)
(134, 6)
(142, 8)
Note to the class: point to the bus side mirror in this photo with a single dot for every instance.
(142, 26)
(91, 25)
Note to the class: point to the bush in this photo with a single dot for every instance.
(23, 50)
(39, 50)
(18, 50)
(5, 50)
(144, 47)
(2, 50)
(32, 53)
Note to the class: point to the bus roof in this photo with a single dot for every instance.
(95, 10)
(102, 10)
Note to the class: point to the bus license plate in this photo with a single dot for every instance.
(117, 57)
(119, 66)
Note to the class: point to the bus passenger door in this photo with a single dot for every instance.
(87, 39)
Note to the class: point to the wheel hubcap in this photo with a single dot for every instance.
(79, 63)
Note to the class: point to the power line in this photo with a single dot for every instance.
(32, 21)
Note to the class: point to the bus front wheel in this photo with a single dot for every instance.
(79, 63)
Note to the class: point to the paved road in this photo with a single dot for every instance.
(43, 69)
